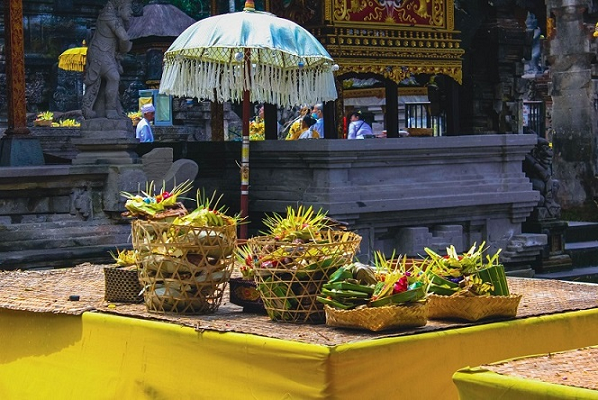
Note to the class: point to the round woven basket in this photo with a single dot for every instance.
(379, 318)
(292, 278)
(122, 285)
(185, 269)
(472, 308)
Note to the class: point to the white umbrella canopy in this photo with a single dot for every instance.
(248, 56)
(289, 66)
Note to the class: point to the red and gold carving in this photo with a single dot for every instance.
(428, 13)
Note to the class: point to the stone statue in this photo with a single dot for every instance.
(538, 168)
(103, 69)
(534, 66)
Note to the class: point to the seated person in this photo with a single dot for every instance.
(306, 123)
(296, 127)
(358, 128)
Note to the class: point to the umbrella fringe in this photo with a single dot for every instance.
(269, 84)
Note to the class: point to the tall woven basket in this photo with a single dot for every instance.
(290, 276)
(185, 269)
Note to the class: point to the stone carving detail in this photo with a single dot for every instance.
(81, 203)
(34, 90)
(538, 167)
(109, 44)
(130, 98)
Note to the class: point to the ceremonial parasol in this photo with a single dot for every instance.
(248, 56)
(73, 59)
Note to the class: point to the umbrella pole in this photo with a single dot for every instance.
(245, 149)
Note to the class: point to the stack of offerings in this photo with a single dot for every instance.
(186, 261)
(469, 286)
(296, 256)
(389, 295)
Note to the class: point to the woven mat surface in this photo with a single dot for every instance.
(578, 368)
(49, 291)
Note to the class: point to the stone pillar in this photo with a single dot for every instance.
(17, 147)
(573, 109)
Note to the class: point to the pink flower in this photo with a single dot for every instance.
(400, 285)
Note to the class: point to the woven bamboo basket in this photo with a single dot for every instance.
(472, 308)
(185, 269)
(291, 276)
(379, 318)
(122, 285)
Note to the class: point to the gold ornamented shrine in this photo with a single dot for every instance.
(392, 38)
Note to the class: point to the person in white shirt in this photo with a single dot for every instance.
(358, 128)
(306, 123)
(144, 129)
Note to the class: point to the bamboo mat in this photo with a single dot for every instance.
(578, 368)
(49, 292)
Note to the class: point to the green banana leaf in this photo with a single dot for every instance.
(334, 303)
(403, 297)
(495, 275)
(350, 286)
(336, 293)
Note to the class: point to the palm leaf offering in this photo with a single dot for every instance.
(296, 255)
(302, 224)
(125, 258)
(470, 273)
(388, 282)
(150, 204)
(208, 213)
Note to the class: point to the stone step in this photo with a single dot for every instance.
(61, 243)
(60, 238)
(582, 254)
(581, 231)
(584, 274)
(58, 258)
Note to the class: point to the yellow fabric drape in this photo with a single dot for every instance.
(104, 356)
(481, 384)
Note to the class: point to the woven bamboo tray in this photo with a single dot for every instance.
(122, 285)
(379, 318)
(185, 269)
(473, 308)
(290, 285)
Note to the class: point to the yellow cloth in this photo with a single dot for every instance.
(106, 356)
(257, 129)
(295, 130)
(481, 384)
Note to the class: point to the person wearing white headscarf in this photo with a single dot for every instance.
(144, 129)
(358, 128)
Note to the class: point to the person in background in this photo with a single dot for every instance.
(144, 129)
(358, 128)
(306, 123)
(317, 113)
(296, 128)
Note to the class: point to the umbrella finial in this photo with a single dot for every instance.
(249, 5)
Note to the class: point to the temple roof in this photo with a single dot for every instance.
(159, 19)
